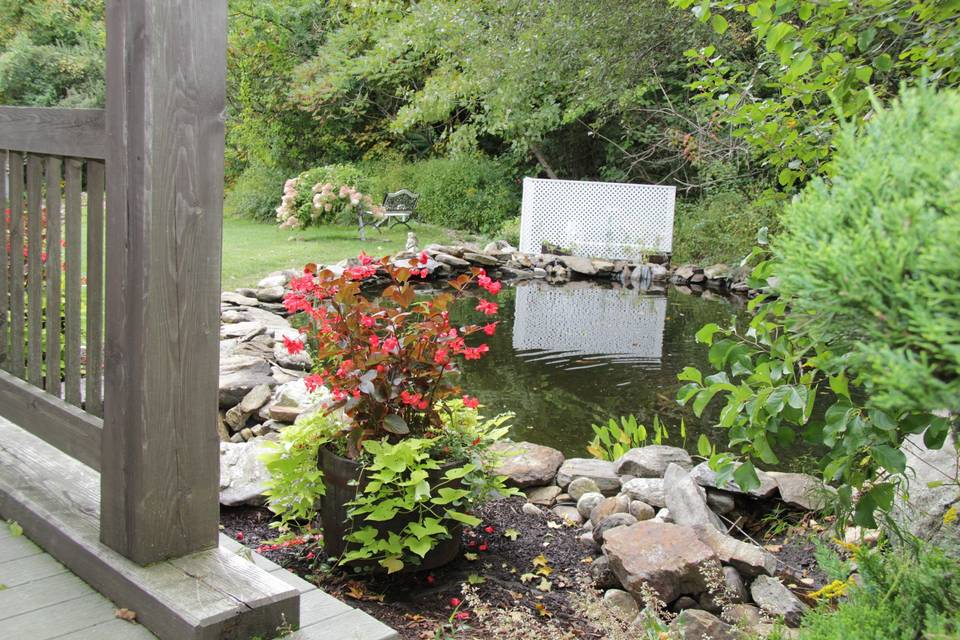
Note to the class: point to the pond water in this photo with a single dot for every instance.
(566, 357)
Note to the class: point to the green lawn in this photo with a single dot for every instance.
(251, 249)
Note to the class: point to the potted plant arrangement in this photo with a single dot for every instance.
(400, 453)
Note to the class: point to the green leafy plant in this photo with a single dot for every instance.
(296, 483)
(857, 356)
(409, 480)
(800, 68)
(615, 438)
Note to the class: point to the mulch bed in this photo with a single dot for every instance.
(508, 572)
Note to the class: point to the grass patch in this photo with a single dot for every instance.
(252, 249)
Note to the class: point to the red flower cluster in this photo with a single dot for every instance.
(392, 358)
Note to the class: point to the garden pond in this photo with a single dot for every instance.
(566, 357)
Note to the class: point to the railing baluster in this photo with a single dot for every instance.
(73, 232)
(54, 296)
(4, 263)
(35, 270)
(95, 184)
(16, 364)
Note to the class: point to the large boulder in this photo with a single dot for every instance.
(236, 418)
(649, 490)
(697, 624)
(239, 375)
(687, 501)
(922, 513)
(602, 472)
(283, 357)
(652, 461)
(801, 490)
(579, 264)
(292, 400)
(581, 486)
(587, 502)
(608, 507)
(611, 522)
(772, 597)
(622, 603)
(706, 477)
(749, 559)
(526, 464)
(243, 476)
(665, 557)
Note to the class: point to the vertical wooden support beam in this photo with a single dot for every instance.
(166, 66)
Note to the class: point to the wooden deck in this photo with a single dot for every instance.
(40, 600)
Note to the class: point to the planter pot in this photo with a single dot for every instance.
(342, 480)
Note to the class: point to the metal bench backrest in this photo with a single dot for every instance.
(400, 201)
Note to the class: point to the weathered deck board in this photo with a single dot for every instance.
(37, 586)
(15, 548)
(42, 593)
(36, 567)
(55, 621)
(198, 597)
(114, 630)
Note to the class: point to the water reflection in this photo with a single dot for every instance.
(566, 357)
(583, 326)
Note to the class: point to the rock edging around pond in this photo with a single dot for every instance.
(261, 385)
(657, 527)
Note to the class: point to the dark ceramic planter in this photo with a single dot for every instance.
(342, 480)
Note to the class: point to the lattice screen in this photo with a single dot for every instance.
(590, 320)
(598, 219)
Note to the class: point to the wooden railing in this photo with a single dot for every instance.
(132, 391)
(52, 187)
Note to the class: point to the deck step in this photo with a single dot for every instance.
(209, 595)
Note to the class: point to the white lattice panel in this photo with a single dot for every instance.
(598, 219)
(590, 320)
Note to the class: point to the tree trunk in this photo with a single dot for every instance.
(538, 154)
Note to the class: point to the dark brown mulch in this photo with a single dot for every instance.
(416, 604)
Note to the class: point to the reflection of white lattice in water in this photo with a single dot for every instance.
(587, 320)
(600, 219)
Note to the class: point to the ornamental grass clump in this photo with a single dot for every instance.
(396, 411)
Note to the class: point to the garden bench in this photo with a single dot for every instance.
(399, 207)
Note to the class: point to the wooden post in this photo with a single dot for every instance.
(166, 66)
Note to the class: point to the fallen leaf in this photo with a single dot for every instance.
(554, 525)
(475, 578)
(15, 528)
(527, 577)
(545, 585)
(773, 548)
(542, 610)
(2, 587)
(513, 534)
(470, 556)
(126, 614)
(357, 591)
(540, 561)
